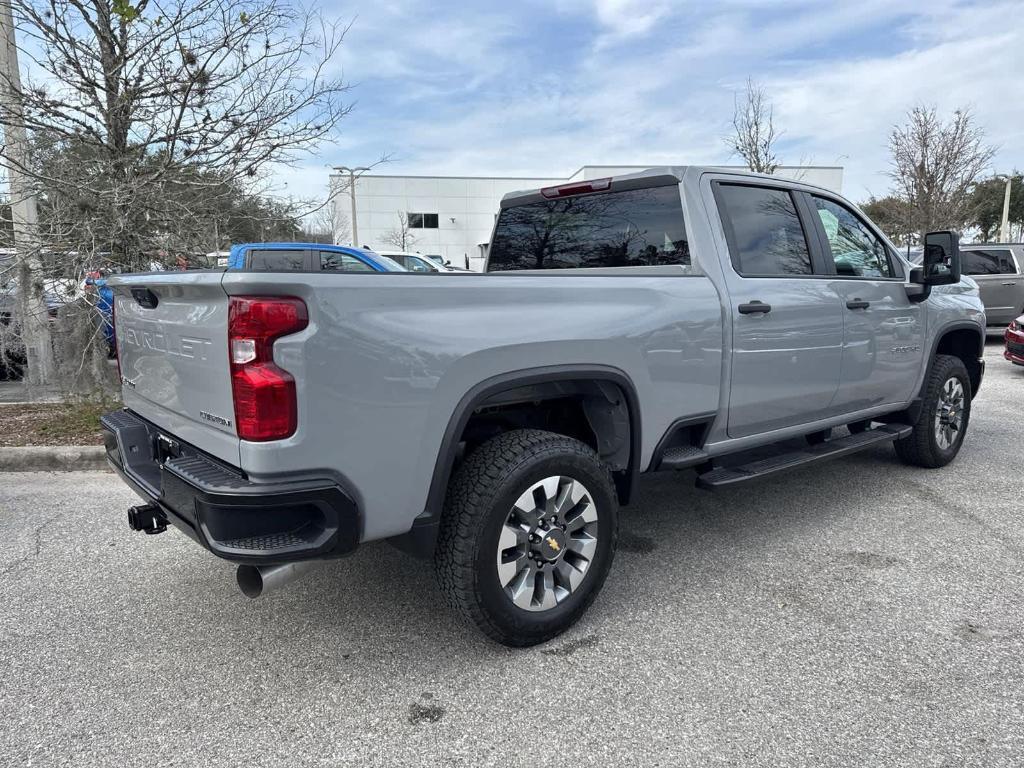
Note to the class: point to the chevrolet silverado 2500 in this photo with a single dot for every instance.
(674, 319)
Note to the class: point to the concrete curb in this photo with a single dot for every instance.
(53, 458)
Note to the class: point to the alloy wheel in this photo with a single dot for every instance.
(949, 415)
(547, 543)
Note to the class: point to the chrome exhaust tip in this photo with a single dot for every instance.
(254, 580)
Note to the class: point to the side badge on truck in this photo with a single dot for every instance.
(215, 418)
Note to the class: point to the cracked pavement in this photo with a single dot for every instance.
(858, 612)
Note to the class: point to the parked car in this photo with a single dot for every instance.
(446, 263)
(103, 302)
(307, 257)
(495, 422)
(996, 268)
(415, 262)
(1014, 338)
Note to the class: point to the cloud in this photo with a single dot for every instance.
(539, 88)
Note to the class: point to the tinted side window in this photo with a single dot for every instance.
(342, 262)
(635, 227)
(263, 260)
(856, 251)
(988, 262)
(766, 237)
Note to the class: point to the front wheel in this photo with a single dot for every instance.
(945, 413)
(528, 535)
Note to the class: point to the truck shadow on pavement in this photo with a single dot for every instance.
(673, 536)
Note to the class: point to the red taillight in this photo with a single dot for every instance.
(264, 394)
(578, 188)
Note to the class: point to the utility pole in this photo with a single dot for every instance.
(352, 195)
(35, 327)
(1004, 226)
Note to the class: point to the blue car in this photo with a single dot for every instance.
(307, 257)
(104, 305)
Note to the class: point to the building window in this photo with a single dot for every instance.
(422, 220)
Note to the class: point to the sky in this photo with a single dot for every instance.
(541, 87)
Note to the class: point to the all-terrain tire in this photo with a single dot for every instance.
(922, 448)
(480, 498)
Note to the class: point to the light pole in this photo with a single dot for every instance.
(1004, 225)
(352, 195)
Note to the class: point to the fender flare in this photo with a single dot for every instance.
(913, 410)
(421, 537)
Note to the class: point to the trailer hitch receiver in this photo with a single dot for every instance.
(148, 518)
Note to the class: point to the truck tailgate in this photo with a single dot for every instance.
(172, 340)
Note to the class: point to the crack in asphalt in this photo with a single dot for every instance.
(37, 535)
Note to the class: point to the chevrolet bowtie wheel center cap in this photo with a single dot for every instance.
(551, 545)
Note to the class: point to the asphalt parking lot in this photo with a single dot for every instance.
(857, 613)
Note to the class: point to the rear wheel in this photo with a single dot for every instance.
(528, 535)
(942, 423)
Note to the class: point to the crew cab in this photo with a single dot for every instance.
(730, 326)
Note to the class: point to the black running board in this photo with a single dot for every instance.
(682, 457)
(831, 449)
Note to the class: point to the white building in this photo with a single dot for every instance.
(453, 215)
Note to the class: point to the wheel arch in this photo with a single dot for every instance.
(965, 341)
(594, 384)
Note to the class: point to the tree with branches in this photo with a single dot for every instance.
(935, 165)
(153, 124)
(986, 209)
(892, 215)
(753, 134)
(328, 224)
(402, 236)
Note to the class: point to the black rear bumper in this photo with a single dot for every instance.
(218, 507)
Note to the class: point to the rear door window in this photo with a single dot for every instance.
(277, 260)
(856, 250)
(766, 238)
(988, 261)
(331, 261)
(635, 227)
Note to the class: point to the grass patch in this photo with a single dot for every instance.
(52, 424)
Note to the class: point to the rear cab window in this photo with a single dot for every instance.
(627, 228)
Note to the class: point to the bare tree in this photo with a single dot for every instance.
(753, 137)
(935, 164)
(401, 236)
(149, 120)
(326, 225)
(332, 218)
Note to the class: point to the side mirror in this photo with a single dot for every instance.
(941, 261)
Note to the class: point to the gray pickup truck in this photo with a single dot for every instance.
(996, 268)
(682, 318)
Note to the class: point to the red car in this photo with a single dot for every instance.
(1015, 341)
